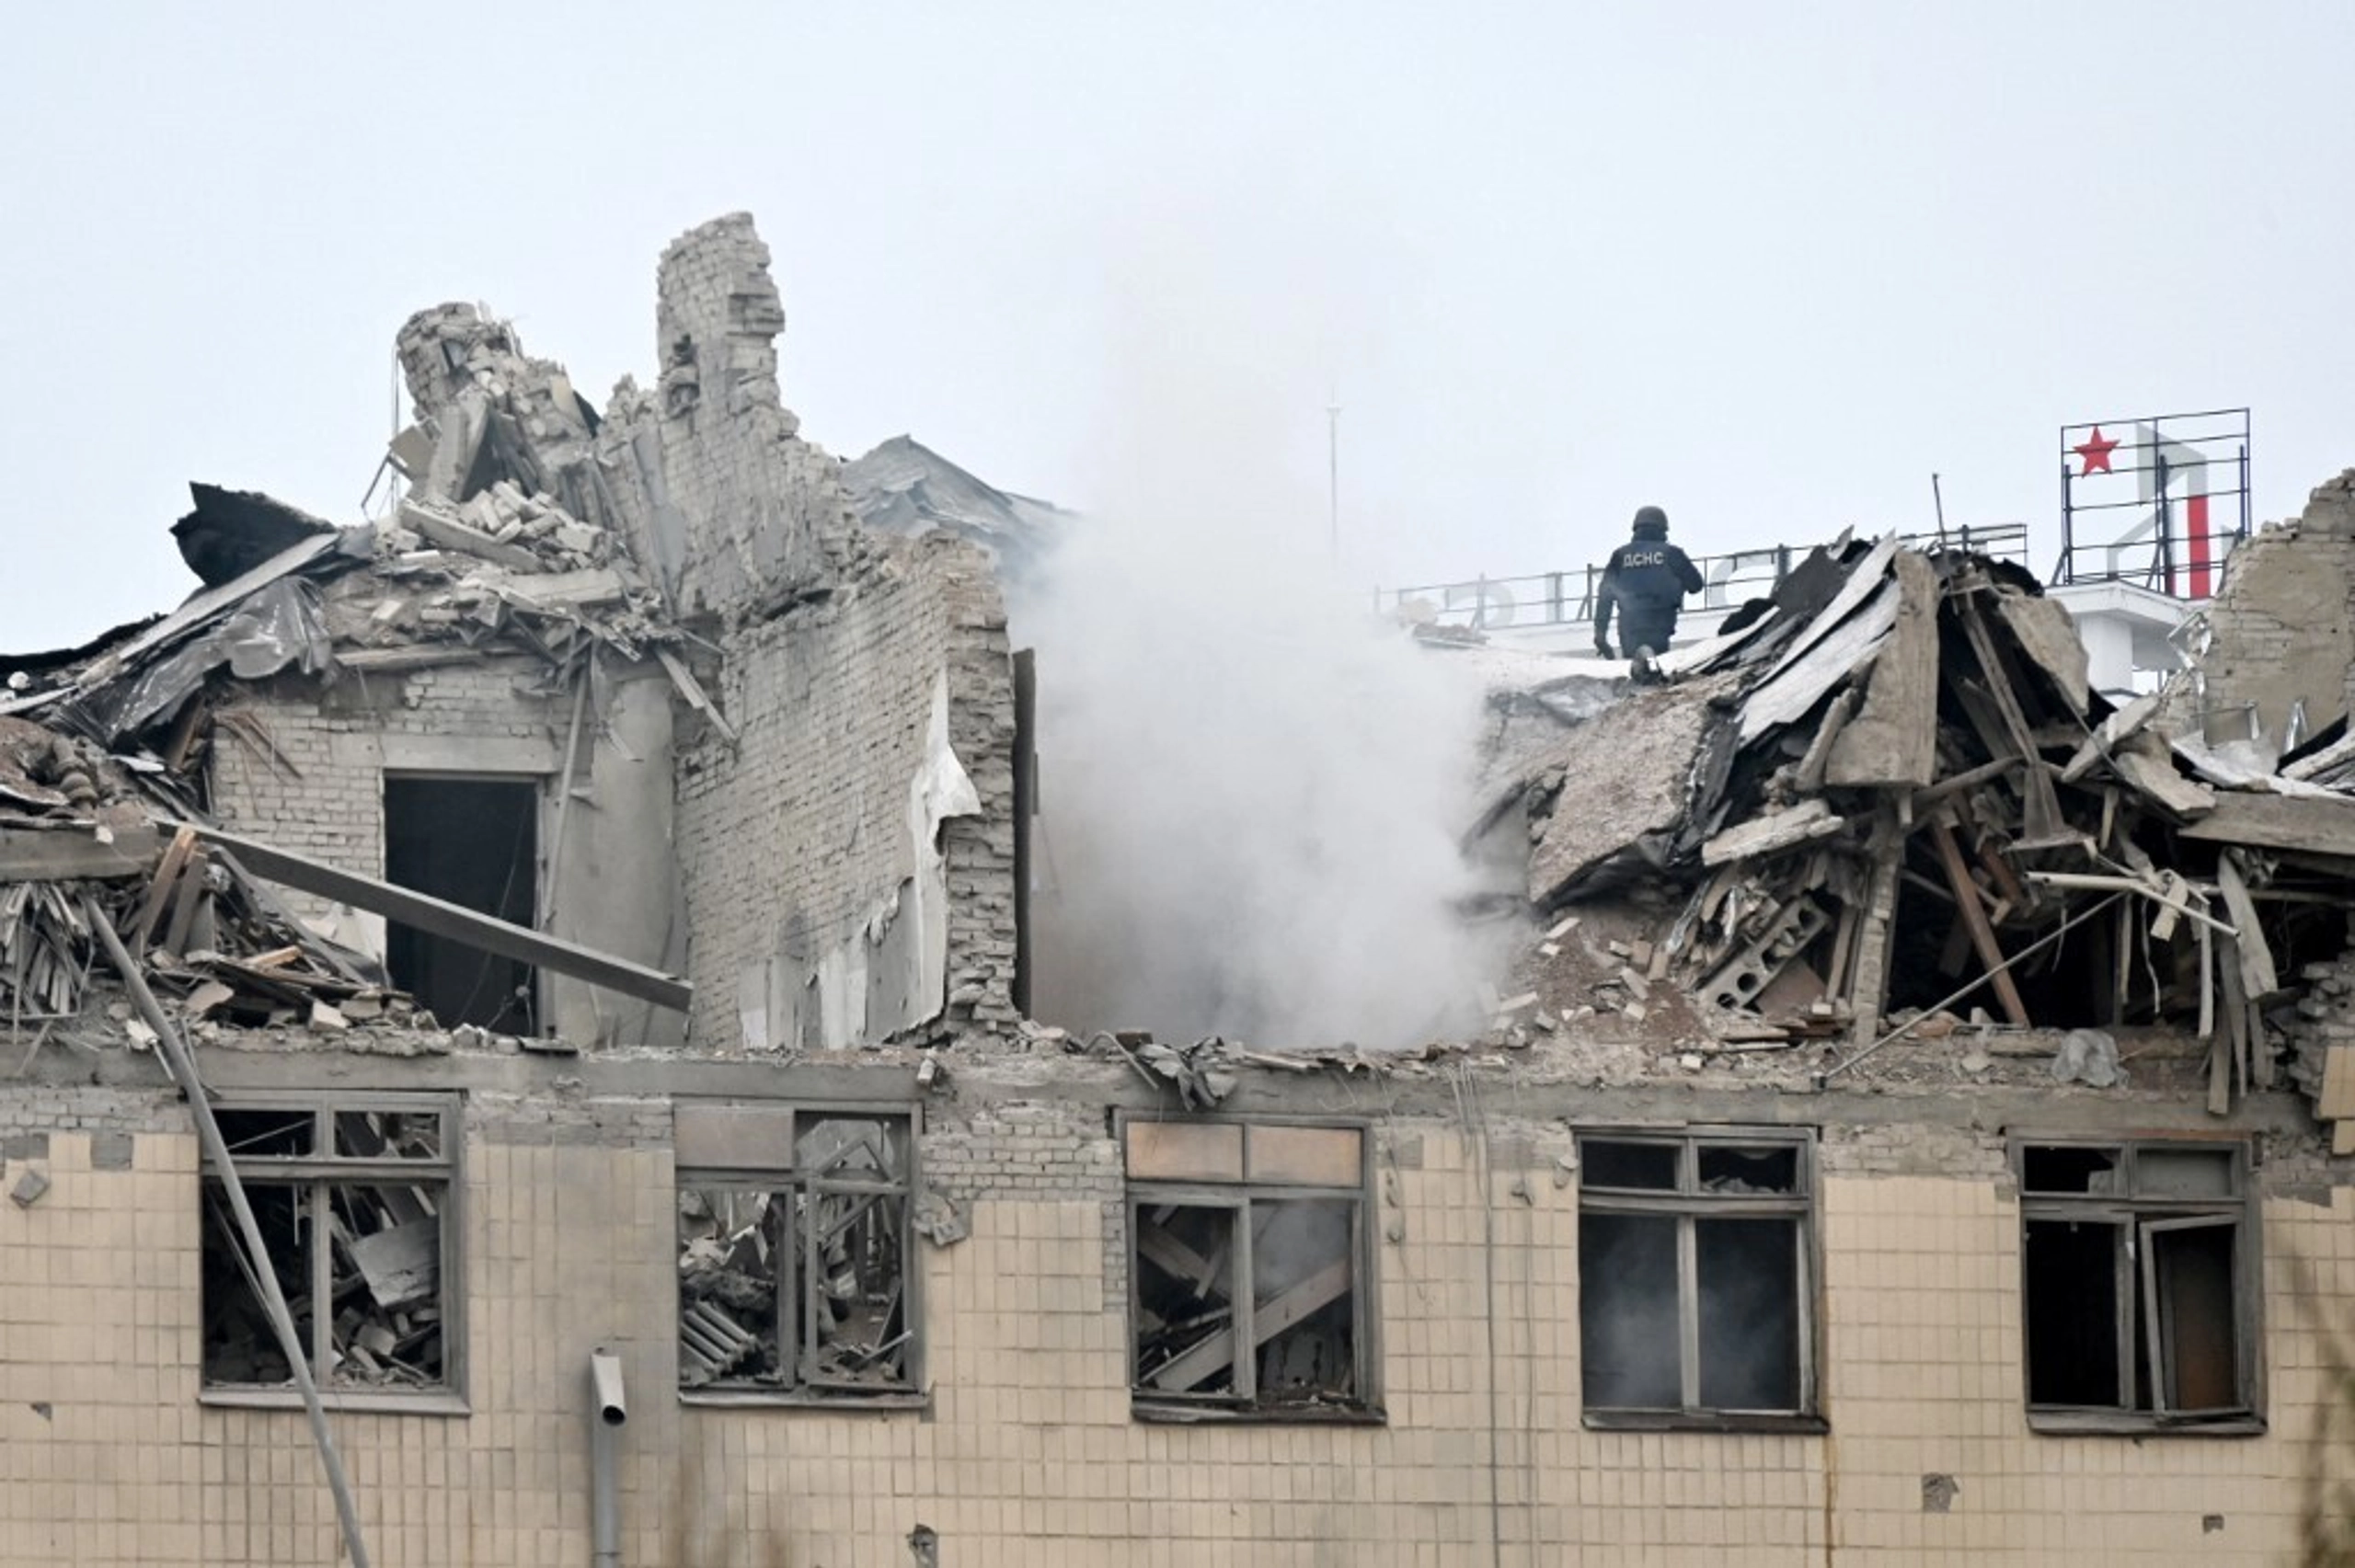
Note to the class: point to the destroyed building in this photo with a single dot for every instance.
(548, 970)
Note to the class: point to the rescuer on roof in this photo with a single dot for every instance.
(1645, 583)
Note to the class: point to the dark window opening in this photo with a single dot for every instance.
(1747, 1273)
(2073, 1312)
(1634, 1166)
(1693, 1295)
(1627, 1293)
(473, 843)
(2067, 1168)
(2139, 1284)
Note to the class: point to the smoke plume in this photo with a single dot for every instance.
(1250, 789)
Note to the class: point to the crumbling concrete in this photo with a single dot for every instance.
(2279, 634)
(736, 512)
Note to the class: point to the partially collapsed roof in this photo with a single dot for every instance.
(904, 486)
(1891, 807)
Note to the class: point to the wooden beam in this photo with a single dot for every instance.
(1206, 1358)
(1982, 935)
(46, 854)
(2258, 977)
(459, 924)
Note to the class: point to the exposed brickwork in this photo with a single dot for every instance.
(1915, 1151)
(979, 849)
(759, 506)
(323, 794)
(2280, 628)
(2326, 1017)
(798, 840)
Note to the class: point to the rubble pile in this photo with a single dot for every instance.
(383, 1254)
(801, 1284)
(1891, 805)
(79, 836)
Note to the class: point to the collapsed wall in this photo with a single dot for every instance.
(723, 728)
(735, 512)
(846, 825)
(2279, 634)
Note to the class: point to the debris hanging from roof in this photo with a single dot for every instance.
(1892, 806)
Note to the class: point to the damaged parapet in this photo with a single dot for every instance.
(782, 757)
(2274, 652)
(736, 514)
(1891, 807)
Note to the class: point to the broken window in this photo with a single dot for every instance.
(352, 1200)
(2138, 1283)
(1248, 1236)
(472, 841)
(794, 1251)
(1694, 1277)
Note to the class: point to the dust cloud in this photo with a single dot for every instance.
(1250, 787)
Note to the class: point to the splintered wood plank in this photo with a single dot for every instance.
(159, 891)
(2043, 818)
(1209, 1357)
(2257, 975)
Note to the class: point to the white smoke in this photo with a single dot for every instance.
(1250, 788)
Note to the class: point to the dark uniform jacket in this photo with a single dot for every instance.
(1647, 581)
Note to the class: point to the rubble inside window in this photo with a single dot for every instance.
(1247, 1247)
(795, 1263)
(373, 1181)
(2139, 1280)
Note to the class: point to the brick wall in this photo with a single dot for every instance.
(2280, 628)
(759, 505)
(1027, 1455)
(316, 787)
(801, 857)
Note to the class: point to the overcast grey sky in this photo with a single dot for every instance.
(1765, 265)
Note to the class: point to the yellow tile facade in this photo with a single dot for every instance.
(1027, 1455)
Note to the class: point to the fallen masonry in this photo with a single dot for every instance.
(537, 979)
(1892, 809)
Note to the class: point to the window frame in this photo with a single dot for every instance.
(2136, 1214)
(1137, 1192)
(782, 1176)
(1688, 1204)
(318, 1172)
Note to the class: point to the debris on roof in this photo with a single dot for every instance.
(904, 486)
(1892, 806)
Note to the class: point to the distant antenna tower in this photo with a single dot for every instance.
(1333, 470)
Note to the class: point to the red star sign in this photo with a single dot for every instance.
(2095, 451)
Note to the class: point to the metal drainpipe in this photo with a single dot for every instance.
(606, 1412)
